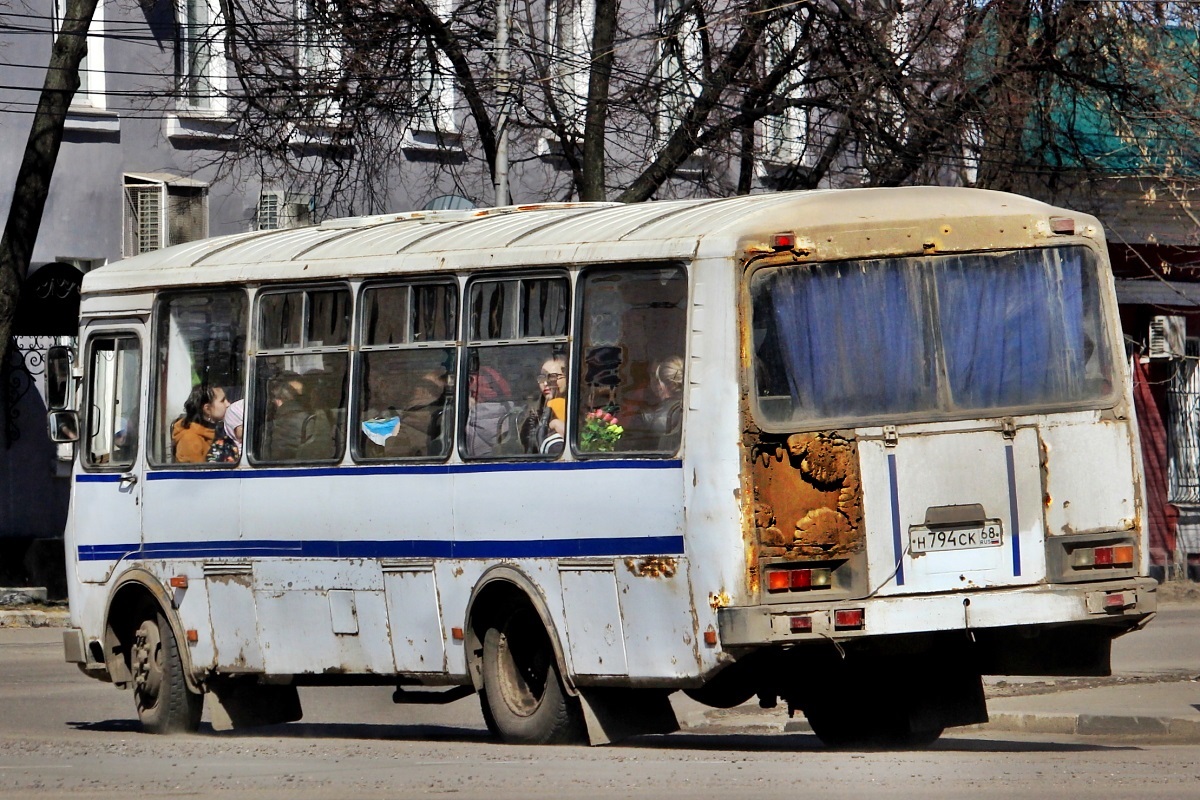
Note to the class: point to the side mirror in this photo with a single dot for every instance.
(64, 427)
(58, 379)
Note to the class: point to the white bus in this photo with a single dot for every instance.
(843, 450)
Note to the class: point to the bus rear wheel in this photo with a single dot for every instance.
(522, 686)
(164, 702)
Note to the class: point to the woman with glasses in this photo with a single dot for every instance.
(543, 431)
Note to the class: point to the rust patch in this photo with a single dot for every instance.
(718, 599)
(652, 567)
(807, 496)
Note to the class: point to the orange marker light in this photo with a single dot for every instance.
(178, 582)
(778, 580)
(710, 637)
(193, 635)
(456, 634)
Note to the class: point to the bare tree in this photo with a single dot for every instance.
(41, 152)
(676, 97)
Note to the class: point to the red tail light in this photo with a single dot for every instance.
(782, 580)
(848, 618)
(801, 624)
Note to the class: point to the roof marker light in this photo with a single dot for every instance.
(783, 241)
(1063, 225)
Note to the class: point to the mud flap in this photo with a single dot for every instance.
(612, 715)
(246, 703)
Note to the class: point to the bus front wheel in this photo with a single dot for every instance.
(164, 702)
(522, 686)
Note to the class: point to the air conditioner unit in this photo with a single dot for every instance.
(278, 210)
(1167, 337)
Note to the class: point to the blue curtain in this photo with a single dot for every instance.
(853, 338)
(863, 338)
(1013, 326)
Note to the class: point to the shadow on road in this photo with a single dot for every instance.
(790, 743)
(723, 742)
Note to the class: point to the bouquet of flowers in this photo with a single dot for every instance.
(601, 432)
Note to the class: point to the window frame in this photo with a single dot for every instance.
(88, 405)
(462, 402)
(581, 276)
(215, 73)
(1106, 308)
(256, 353)
(155, 381)
(361, 349)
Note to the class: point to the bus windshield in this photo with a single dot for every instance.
(939, 334)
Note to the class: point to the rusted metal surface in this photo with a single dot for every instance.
(652, 567)
(807, 496)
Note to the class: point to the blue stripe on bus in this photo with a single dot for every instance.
(897, 544)
(392, 469)
(111, 477)
(274, 548)
(1012, 510)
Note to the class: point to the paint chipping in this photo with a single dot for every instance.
(652, 567)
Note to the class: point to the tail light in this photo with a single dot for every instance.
(801, 624)
(1120, 555)
(798, 580)
(848, 619)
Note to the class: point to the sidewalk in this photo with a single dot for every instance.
(26, 617)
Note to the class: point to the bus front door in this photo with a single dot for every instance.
(107, 522)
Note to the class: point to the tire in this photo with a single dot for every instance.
(522, 687)
(164, 702)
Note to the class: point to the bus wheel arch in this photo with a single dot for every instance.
(144, 649)
(517, 664)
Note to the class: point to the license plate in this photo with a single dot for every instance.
(928, 540)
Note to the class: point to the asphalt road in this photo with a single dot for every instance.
(63, 735)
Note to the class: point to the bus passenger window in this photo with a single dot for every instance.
(633, 339)
(518, 370)
(113, 393)
(200, 369)
(301, 375)
(407, 365)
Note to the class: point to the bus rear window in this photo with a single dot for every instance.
(956, 333)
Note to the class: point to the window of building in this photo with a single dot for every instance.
(681, 64)
(569, 30)
(517, 367)
(163, 210)
(633, 328)
(201, 56)
(301, 367)
(319, 61)
(407, 364)
(91, 69)
(785, 135)
(113, 407)
(200, 355)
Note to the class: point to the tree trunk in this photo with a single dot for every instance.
(41, 152)
(599, 81)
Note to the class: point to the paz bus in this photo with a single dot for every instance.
(844, 451)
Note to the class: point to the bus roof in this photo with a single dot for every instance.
(551, 234)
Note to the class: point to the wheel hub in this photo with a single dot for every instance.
(146, 662)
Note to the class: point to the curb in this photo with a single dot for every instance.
(35, 618)
(1174, 729)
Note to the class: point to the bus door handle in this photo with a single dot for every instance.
(128, 479)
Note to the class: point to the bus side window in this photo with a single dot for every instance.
(633, 341)
(200, 340)
(113, 418)
(301, 375)
(518, 370)
(406, 368)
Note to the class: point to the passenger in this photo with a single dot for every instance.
(285, 418)
(544, 430)
(227, 447)
(658, 424)
(194, 432)
(489, 407)
(412, 431)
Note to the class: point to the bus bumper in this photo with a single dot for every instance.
(1123, 604)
